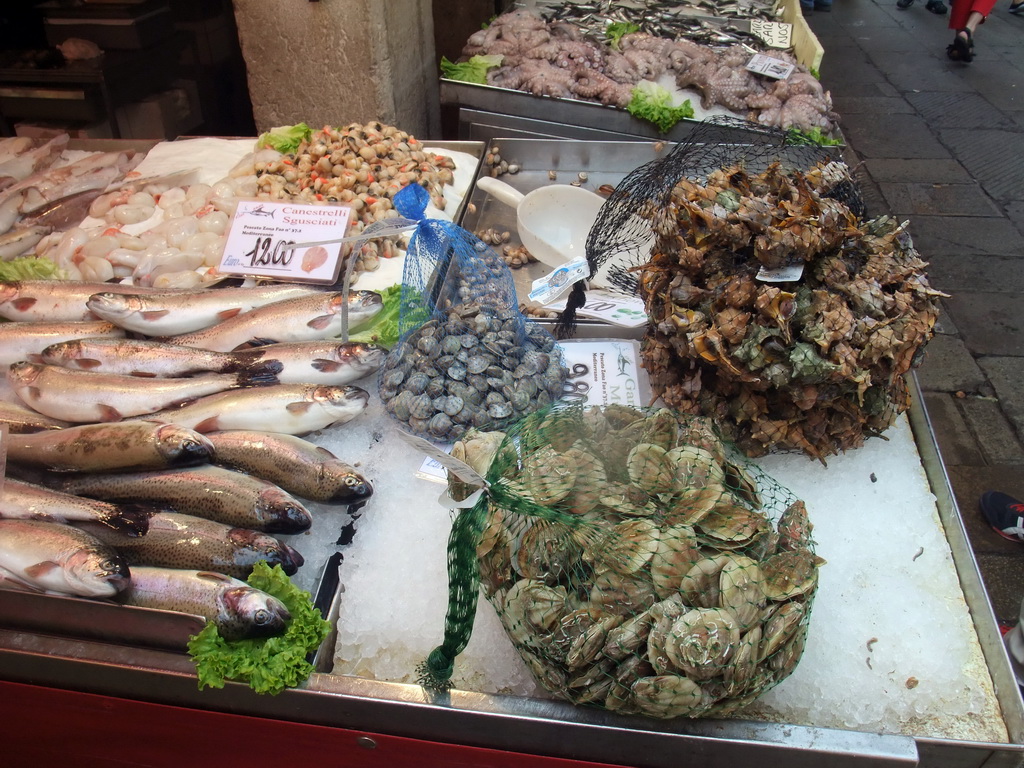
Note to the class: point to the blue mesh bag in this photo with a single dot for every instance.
(466, 357)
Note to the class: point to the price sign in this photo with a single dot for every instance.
(770, 66)
(614, 308)
(258, 243)
(775, 34)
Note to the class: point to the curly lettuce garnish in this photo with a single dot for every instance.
(617, 30)
(269, 664)
(653, 103)
(383, 327)
(472, 71)
(284, 138)
(28, 268)
(796, 137)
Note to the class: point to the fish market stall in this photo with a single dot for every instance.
(865, 692)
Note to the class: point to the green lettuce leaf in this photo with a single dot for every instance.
(617, 30)
(28, 268)
(270, 664)
(653, 103)
(284, 138)
(383, 327)
(472, 71)
(797, 137)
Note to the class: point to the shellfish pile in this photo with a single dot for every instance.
(814, 362)
(363, 166)
(475, 365)
(637, 568)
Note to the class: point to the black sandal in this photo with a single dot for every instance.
(962, 48)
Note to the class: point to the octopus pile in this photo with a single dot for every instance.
(557, 59)
(816, 362)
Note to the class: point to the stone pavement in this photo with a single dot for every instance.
(942, 143)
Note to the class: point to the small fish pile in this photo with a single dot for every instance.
(180, 461)
(634, 566)
(561, 59)
(662, 19)
(813, 361)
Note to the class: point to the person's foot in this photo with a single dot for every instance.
(1017, 7)
(904, 4)
(938, 7)
(1004, 513)
(962, 47)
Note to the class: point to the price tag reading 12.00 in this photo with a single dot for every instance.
(262, 232)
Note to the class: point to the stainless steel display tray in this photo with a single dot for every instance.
(538, 726)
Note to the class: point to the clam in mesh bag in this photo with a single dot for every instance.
(813, 359)
(466, 356)
(635, 566)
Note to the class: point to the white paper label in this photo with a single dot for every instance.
(789, 273)
(769, 66)
(612, 308)
(775, 34)
(601, 373)
(261, 231)
(548, 288)
(460, 469)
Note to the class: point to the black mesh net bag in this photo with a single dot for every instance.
(466, 356)
(635, 563)
(774, 306)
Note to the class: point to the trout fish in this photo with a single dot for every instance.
(177, 312)
(214, 493)
(183, 541)
(22, 420)
(237, 610)
(26, 501)
(81, 397)
(294, 409)
(120, 446)
(317, 362)
(300, 319)
(151, 359)
(60, 558)
(55, 300)
(21, 341)
(296, 465)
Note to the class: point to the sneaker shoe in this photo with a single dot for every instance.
(1005, 514)
(1017, 7)
(937, 7)
(904, 4)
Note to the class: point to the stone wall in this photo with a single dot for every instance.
(341, 61)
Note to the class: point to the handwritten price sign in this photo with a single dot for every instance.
(262, 233)
(775, 34)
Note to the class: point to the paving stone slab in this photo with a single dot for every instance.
(1003, 575)
(910, 71)
(990, 324)
(938, 199)
(870, 105)
(943, 109)
(947, 171)
(988, 274)
(1006, 375)
(897, 136)
(996, 436)
(949, 367)
(994, 157)
(997, 79)
(887, 38)
(956, 442)
(1015, 212)
(945, 324)
(966, 236)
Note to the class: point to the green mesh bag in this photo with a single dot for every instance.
(636, 565)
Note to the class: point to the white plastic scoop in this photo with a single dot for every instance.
(553, 221)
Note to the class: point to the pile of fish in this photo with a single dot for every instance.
(561, 59)
(686, 19)
(157, 471)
